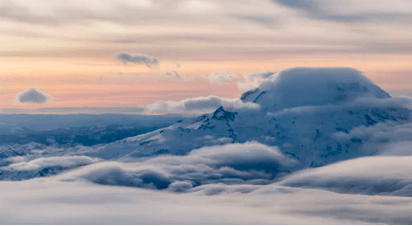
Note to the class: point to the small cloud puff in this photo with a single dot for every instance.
(32, 95)
(149, 61)
(198, 105)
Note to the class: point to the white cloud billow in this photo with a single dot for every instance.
(24, 169)
(149, 61)
(32, 95)
(378, 175)
(253, 80)
(40, 163)
(198, 105)
(250, 162)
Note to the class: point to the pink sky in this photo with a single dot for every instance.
(68, 49)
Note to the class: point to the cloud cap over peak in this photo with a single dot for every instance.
(32, 95)
(302, 86)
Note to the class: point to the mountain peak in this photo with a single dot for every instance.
(222, 114)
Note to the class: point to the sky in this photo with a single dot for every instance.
(125, 53)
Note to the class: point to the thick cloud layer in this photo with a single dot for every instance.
(32, 95)
(46, 201)
(198, 105)
(138, 59)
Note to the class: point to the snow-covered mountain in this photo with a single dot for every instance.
(310, 117)
(301, 110)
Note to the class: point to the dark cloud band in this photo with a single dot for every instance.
(149, 61)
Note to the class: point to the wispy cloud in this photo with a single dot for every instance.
(221, 77)
(197, 105)
(173, 74)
